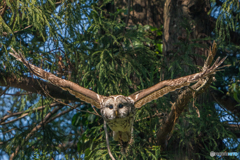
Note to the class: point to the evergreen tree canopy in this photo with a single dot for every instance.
(107, 46)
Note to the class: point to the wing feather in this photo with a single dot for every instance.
(82, 93)
(142, 97)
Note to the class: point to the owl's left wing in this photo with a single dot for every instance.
(82, 93)
(144, 96)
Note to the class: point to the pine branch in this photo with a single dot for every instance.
(23, 114)
(5, 33)
(35, 129)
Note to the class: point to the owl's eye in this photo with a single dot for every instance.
(120, 106)
(111, 107)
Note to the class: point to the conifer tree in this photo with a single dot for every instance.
(116, 47)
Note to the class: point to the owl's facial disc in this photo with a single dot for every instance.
(116, 107)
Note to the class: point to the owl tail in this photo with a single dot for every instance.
(124, 146)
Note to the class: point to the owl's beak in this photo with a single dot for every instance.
(116, 113)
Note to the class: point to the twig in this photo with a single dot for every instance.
(155, 115)
(62, 113)
(131, 43)
(5, 90)
(5, 33)
(18, 94)
(34, 130)
(2, 11)
(95, 111)
(107, 140)
(19, 113)
(24, 115)
(127, 17)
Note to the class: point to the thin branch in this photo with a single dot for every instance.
(62, 113)
(5, 33)
(2, 11)
(95, 111)
(128, 14)
(4, 91)
(18, 94)
(21, 128)
(25, 113)
(9, 130)
(11, 121)
(107, 141)
(153, 116)
(53, 118)
(131, 44)
(35, 129)
(58, 3)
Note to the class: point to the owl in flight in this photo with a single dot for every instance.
(118, 110)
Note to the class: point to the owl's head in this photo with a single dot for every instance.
(116, 107)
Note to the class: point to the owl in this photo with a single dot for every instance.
(117, 110)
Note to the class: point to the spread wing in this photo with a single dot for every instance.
(144, 96)
(82, 93)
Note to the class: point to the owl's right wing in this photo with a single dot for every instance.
(82, 93)
(144, 96)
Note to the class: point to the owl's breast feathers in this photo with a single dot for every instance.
(121, 124)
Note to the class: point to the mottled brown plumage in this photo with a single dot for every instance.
(144, 96)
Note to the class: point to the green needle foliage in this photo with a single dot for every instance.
(80, 41)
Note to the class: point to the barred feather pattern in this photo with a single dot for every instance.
(82, 93)
(142, 97)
